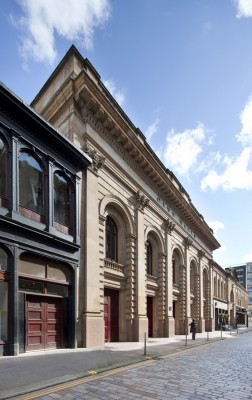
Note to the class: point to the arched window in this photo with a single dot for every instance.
(3, 295)
(149, 257)
(62, 203)
(3, 173)
(111, 239)
(31, 198)
(173, 271)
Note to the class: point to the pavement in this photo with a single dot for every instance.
(38, 370)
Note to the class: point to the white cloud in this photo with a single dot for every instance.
(213, 158)
(117, 94)
(245, 135)
(237, 172)
(216, 225)
(236, 175)
(184, 148)
(152, 129)
(72, 20)
(244, 8)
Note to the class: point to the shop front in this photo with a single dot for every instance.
(241, 316)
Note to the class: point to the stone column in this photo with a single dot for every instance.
(161, 295)
(141, 320)
(169, 329)
(93, 321)
(211, 295)
(187, 243)
(130, 293)
(201, 322)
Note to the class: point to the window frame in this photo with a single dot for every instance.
(111, 240)
(67, 229)
(26, 212)
(149, 258)
(4, 200)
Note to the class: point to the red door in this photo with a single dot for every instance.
(150, 315)
(111, 315)
(107, 318)
(44, 323)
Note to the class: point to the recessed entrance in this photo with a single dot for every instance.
(150, 315)
(44, 323)
(111, 315)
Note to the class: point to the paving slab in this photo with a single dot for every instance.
(38, 370)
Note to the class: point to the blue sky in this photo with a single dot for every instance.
(182, 72)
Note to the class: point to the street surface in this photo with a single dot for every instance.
(219, 370)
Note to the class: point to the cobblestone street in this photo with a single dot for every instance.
(220, 370)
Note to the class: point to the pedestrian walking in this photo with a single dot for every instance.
(193, 328)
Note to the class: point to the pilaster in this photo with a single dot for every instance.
(141, 320)
(187, 243)
(169, 329)
(201, 322)
(93, 322)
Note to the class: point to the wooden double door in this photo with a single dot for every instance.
(44, 323)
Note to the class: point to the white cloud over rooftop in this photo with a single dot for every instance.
(43, 19)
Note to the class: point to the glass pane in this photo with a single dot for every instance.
(30, 183)
(111, 239)
(3, 169)
(30, 286)
(3, 310)
(61, 200)
(33, 266)
(57, 290)
(3, 260)
(58, 272)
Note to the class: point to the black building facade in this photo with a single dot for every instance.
(39, 231)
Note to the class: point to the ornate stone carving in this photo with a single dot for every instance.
(211, 263)
(142, 200)
(201, 254)
(188, 242)
(169, 226)
(97, 159)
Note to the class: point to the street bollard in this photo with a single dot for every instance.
(207, 336)
(221, 331)
(186, 340)
(145, 344)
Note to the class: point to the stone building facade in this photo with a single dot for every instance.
(146, 254)
(230, 298)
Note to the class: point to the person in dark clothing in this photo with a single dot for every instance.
(193, 327)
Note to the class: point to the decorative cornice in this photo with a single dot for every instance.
(97, 160)
(188, 242)
(142, 200)
(169, 226)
